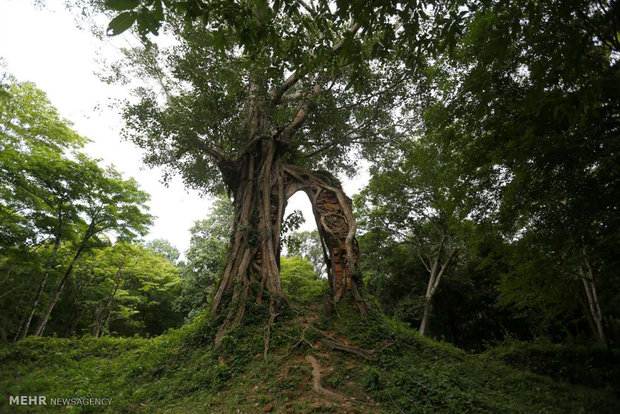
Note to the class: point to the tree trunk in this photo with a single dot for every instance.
(61, 285)
(433, 282)
(48, 266)
(595, 309)
(261, 185)
(257, 183)
(104, 307)
(436, 270)
(427, 312)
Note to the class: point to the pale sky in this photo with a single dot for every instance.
(45, 46)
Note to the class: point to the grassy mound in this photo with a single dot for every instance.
(341, 365)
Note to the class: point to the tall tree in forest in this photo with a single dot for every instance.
(40, 184)
(258, 95)
(112, 263)
(111, 206)
(416, 197)
(56, 185)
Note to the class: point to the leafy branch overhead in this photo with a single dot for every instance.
(325, 79)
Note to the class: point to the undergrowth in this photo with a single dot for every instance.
(181, 371)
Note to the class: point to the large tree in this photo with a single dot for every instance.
(260, 96)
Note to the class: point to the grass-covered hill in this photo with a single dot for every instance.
(340, 365)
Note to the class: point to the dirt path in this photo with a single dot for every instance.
(316, 381)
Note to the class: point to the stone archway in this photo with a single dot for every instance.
(335, 222)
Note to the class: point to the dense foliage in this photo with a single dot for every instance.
(490, 220)
(179, 372)
(514, 161)
(70, 228)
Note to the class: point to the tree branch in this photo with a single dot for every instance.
(426, 265)
(309, 7)
(215, 152)
(301, 115)
(278, 93)
(443, 269)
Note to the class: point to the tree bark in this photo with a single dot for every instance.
(261, 185)
(427, 311)
(257, 183)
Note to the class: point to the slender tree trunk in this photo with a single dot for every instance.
(587, 278)
(59, 289)
(104, 307)
(436, 270)
(48, 266)
(427, 312)
(433, 282)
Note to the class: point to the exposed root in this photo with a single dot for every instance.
(267, 333)
(227, 322)
(361, 303)
(341, 346)
(316, 381)
(242, 303)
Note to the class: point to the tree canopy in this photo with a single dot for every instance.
(57, 204)
(520, 125)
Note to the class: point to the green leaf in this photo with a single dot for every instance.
(120, 5)
(158, 11)
(121, 23)
(147, 23)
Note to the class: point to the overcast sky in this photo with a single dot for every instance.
(43, 45)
